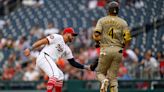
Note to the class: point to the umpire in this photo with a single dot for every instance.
(113, 35)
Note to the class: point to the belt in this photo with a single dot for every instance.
(46, 54)
(106, 45)
(51, 58)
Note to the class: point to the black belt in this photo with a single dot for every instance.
(46, 54)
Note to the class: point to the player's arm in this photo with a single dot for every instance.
(37, 44)
(77, 65)
(71, 60)
(96, 36)
(47, 40)
(91, 67)
(94, 65)
(97, 31)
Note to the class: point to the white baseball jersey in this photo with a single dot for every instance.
(57, 47)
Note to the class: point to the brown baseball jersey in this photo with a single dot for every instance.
(114, 31)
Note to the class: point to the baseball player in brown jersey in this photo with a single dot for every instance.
(113, 34)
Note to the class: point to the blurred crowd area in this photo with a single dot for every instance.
(6, 6)
(15, 66)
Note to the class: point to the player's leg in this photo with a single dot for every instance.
(113, 70)
(104, 85)
(101, 72)
(50, 68)
(59, 82)
(103, 65)
(50, 84)
(58, 86)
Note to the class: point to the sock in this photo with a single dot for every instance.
(50, 84)
(58, 86)
(113, 89)
(49, 87)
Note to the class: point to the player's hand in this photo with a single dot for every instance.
(92, 67)
(97, 45)
(27, 52)
(87, 67)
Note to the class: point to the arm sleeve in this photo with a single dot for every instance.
(75, 64)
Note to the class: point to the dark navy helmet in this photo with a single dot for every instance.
(112, 7)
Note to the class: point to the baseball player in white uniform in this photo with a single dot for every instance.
(55, 47)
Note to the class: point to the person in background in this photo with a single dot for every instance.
(51, 29)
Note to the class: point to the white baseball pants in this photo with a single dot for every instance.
(48, 65)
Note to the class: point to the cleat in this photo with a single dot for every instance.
(104, 85)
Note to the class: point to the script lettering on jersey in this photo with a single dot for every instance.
(59, 48)
(113, 23)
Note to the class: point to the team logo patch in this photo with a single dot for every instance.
(51, 36)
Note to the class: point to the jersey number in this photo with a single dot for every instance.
(111, 33)
(59, 48)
